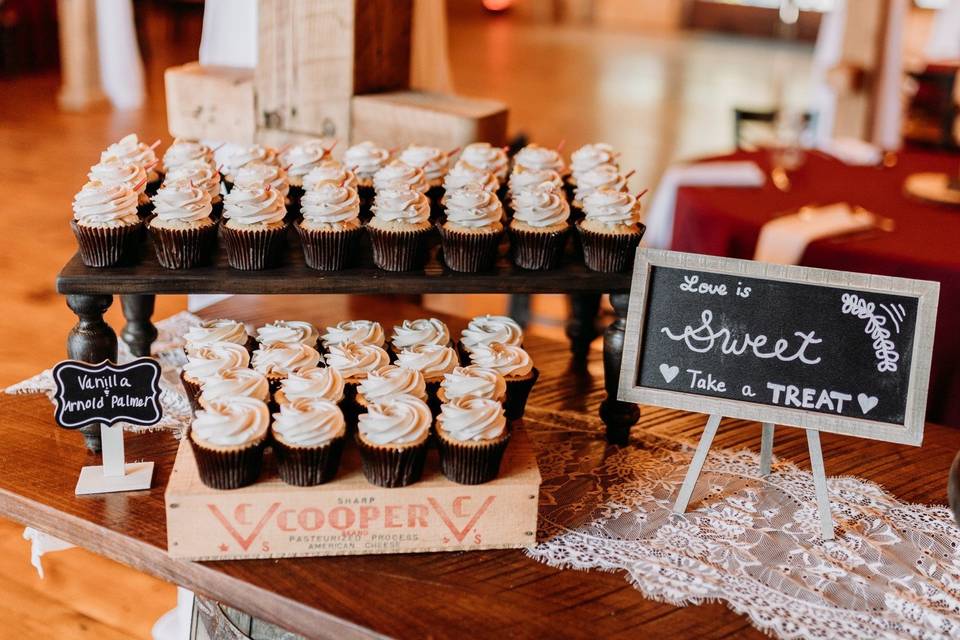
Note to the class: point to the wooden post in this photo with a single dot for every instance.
(91, 340)
(139, 333)
(696, 465)
(766, 448)
(618, 416)
(79, 64)
(581, 326)
(820, 483)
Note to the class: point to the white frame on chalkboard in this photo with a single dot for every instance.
(927, 293)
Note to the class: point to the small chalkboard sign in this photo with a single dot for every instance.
(825, 350)
(107, 393)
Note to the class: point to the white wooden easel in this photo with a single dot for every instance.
(766, 454)
(114, 474)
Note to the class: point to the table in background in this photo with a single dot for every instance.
(924, 245)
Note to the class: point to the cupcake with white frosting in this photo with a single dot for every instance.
(472, 230)
(434, 163)
(472, 436)
(605, 176)
(278, 360)
(534, 157)
(218, 330)
(389, 381)
(420, 331)
(355, 361)
(116, 172)
(400, 229)
(288, 331)
(589, 157)
(539, 229)
(433, 361)
(610, 230)
(182, 226)
(359, 331)
(364, 160)
(393, 440)
(397, 175)
(487, 329)
(209, 360)
(329, 171)
(234, 382)
(232, 157)
(483, 155)
(330, 226)
(199, 174)
(472, 382)
(105, 223)
(516, 367)
(463, 174)
(253, 227)
(183, 152)
(308, 439)
(301, 158)
(130, 150)
(324, 383)
(228, 438)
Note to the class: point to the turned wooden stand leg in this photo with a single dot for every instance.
(618, 416)
(582, 324)
(139, 333)
(91, 340)
(518, 308)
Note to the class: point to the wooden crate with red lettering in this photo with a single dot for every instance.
(350, 516)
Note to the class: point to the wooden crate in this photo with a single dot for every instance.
(212, 103)
(350, 516)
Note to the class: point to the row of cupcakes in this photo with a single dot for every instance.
(392, 407)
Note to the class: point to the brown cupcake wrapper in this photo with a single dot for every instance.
(471, 463)
(193, 390)
(469, 252)
(183, 248)
(328, 250)
(308, 466)
(609, 252)
(537, 251)
(230, 469)
(391, 466)
(106, 246)
(399, 250)
(253, 250)
(517, 393)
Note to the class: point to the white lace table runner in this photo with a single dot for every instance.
(894, 572)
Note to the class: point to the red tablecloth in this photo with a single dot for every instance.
(924, 245)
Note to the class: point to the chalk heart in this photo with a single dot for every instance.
(668, 372)
(867, 402)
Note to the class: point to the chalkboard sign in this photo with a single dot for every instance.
(826, 350)
(107, 393)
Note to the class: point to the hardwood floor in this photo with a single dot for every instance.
(657, 98)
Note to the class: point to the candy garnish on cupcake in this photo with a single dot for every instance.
(259, 175)
(198, 174)
(129, 150)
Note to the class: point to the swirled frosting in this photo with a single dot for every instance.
(235, 382)
(390, 381)
(365, 159)
(431, 160)
(231, 421)
(466, 419)
(522, 179)
(181, 204)
(183, 152)
(281, 358)
(473, 382)
(485, 156)
(129, 150)
(214, 358)
(473, 207)
(288, 331)
(401, 205)
(605, 176)
(463, 174)
(591, 156)
(505, 359)
(256, 206)
(420, 331)
(611, 208)
(219, 330)
(198, 174)
(355, 360)
(101, 205)
(484, 330)
(332, 172)
(313, 382)
(432, 360)
(330, 204)
(398, 420)
(398, 175)
(308, 422)
(359, 331)
(537, 158)
(301, 158)
(232, 157)
(541, 206)
(258, 175)
(113, 172)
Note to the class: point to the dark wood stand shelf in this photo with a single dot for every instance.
(90, 292)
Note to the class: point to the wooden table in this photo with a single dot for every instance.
(451, 595)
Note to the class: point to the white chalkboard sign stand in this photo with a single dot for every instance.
(115, 474)
(833, 351)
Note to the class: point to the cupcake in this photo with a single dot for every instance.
(329, 172)
(206, 361)
(393, 441)
(463, 174)
(129, 150)
(234, 382)
(201, 175)
(517, 369)
(399, 176)
(228, 437)
(232, 157)
(355, 361)
(288, 331)
(330, 228)
(485, 330)
(219, 330)
(485, 156)
(187, 152)
(606, 176)
(434, 163)
(182, 228)
(359, 331)
(253, 229)
(539, 229)
(112, 172)
(589, 157)
(364, 160)
(400, 229)
(308, 438)
(523, 179)
(420, 331)
(472, 231)
(472, 382)
(260, 175)
(278, 360)
(610, 230)
(471, 436)
(533, 157)
(389, 381)
(106, 223)
(311, 382)
(300, 159)
(432, 361)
